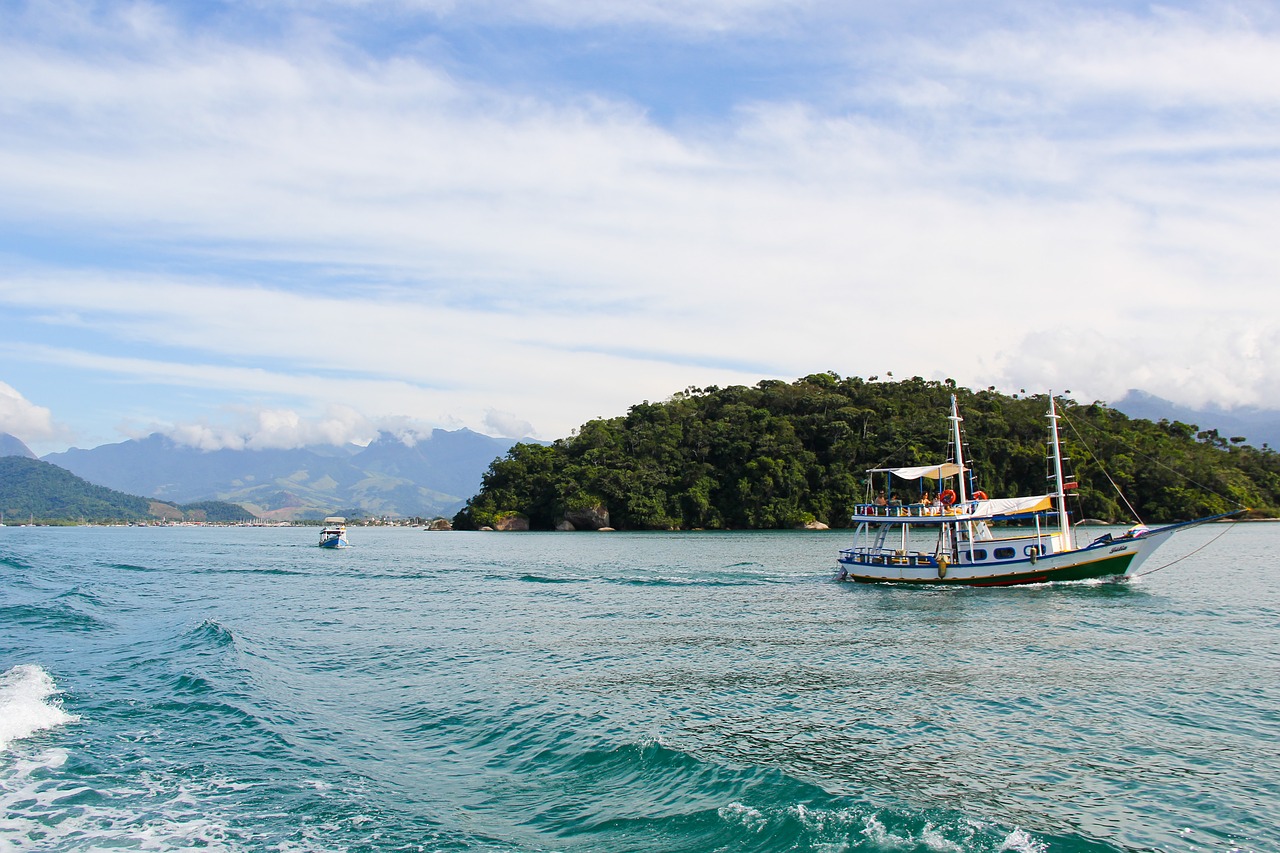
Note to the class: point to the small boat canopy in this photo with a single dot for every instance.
(933, 472)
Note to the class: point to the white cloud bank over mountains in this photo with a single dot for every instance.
(266, 229)
(19, 416)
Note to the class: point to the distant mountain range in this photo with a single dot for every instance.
(431, 476)
(1258, 426)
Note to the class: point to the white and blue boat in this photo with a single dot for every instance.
(966, 538)
(334, 533)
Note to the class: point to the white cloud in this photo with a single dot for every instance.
(507, 425)
(24, 419)
(1022, 205)
(264, 429)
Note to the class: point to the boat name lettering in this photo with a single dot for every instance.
(1118, 548)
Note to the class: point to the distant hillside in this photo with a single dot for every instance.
(1256, 426)
(781, 455)
(13, 446)
(34, 490)
(215, 512)
(432, 476)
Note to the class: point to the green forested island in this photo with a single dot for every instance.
(31, 490)
(782, 454)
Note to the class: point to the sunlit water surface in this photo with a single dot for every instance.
(242, 689)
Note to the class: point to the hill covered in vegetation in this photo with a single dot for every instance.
(43, 492)
(782, 454)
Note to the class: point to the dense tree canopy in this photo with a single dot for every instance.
(781, 454)
(218, 512)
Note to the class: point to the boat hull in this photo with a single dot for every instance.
(1114, 559)
(1045, 570)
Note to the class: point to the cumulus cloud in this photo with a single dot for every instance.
(508, 425)
(265, 429)
(24, 419)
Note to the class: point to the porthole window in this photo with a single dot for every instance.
(1004, 553)
(979, 554)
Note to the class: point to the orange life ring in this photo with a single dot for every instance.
(979, 496)
(948, 497)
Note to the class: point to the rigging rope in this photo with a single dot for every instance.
(1150, 459)
(1101, 467)
(1192, 554)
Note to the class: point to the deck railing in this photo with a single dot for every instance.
(899, 510)
(881, 556)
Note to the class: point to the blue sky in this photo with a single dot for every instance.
(252, 225)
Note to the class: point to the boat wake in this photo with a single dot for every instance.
(28, 704)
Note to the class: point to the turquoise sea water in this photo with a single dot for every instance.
(242, 689)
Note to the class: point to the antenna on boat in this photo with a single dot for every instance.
(1064, 523)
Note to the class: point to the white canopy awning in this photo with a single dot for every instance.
(933, 472)
(1012, 506)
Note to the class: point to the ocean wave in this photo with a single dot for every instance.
(265, 571)
(82, 594)
(129, 567)
(545, 579)
(28, 704)
(187, 685)
(54, 616)
(671, 580)
(211, 633)
(648, 795)
(11, 561)
(743, 578)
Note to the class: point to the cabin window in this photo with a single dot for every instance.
(979, 554)
(1004, 553)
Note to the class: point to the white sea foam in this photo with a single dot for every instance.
(28, 704)
(964, 836)
(752, 819)
(1020, 841)
(36, 818)
(40, 808)
(932, 838)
